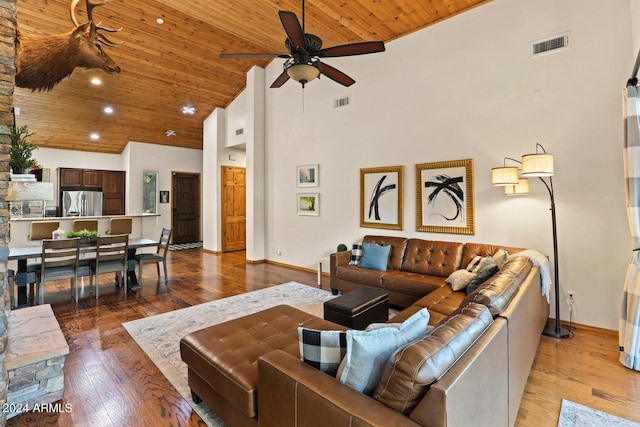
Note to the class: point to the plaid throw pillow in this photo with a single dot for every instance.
(356, 254)
(323, 350)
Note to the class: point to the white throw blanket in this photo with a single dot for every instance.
(538, 259)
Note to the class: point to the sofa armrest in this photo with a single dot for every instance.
(292, 393)
(339, 258)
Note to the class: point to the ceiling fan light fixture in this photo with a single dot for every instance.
(303, 73)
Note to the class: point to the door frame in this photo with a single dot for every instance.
(198, 198)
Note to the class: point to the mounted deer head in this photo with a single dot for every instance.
(43, 61)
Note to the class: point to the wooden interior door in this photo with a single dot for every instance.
(185, 207)
(234, 202)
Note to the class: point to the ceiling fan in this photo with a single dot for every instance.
(305, 50)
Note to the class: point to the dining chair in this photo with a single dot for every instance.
(119, 226)
(111, 257)
(85, 224)
(39, 230)
(59, 261)
(160, 257)
(30, 278)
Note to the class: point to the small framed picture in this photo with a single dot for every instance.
(307, 175)
(308, 204)
(164, 197)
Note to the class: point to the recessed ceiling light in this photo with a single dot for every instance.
(96, 81)
(94, 136)
(187, 109)
(160, 21)
(108, 109)
(170, 132)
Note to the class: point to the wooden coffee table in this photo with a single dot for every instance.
(357, 309)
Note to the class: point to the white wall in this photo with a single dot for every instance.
(465, 89)
(164, 160)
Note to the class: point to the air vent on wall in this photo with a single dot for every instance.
(342, 102)
(239, 131)
(551, 44)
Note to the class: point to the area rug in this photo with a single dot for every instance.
(159, 336)
(182, 246)
(575, 415)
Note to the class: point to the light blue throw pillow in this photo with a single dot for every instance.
(368, 351)
(374, 256)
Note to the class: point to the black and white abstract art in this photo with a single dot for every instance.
(444, 197)
(381, 197)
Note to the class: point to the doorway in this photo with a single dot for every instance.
(234, 202)
(185, 207)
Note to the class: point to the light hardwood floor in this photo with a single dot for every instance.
(109, 381)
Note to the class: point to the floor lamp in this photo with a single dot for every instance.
(537, 165)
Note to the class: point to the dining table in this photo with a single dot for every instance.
(22, 254)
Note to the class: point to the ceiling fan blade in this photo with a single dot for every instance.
(282, 79)
(251, 55)
(292, 27)
(336, 75)
(360, 48)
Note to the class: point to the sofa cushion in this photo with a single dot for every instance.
(413, 368)
(398, 247)
(459, 279)
(471, 250)
(431, 257)
(375, 256)
(362, 276)
(499, 290)
(411, 283)
(356, 254)
(487, 269)
(368, 351)
(323, 350)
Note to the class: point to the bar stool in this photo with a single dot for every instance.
(119, 226)
(85, 224)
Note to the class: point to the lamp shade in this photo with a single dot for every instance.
(507, 175)
(537, 165)
(303, 72)
(520, 189)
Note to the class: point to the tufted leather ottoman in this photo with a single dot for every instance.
(223, 359)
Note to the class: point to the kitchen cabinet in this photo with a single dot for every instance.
(113, 192)
(92, 178)
(70, 177)
(111, 183)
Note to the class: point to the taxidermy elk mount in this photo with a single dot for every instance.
(44, 61)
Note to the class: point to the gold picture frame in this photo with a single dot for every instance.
(444, 197)
(382, 197)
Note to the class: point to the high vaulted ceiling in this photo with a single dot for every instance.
(167, 66)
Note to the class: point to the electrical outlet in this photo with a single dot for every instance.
(572, 297)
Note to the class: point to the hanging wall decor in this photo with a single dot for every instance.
(381, 197)
(444, 197)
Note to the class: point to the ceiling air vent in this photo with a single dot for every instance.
(239, 131)
(548, 45)
(342, 102)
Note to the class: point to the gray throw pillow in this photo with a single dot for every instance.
(486, 270)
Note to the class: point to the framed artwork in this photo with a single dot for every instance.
(164, 196)
(307, 176)
(308, 204)
(444, 197)
(382, 197)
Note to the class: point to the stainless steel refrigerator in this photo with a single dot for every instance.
(81, 203)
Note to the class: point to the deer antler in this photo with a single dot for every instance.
(90, 6)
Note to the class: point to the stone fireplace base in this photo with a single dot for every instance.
(34, 360)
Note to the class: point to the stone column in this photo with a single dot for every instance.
(8, 25)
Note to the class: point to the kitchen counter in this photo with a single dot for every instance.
(143, 225)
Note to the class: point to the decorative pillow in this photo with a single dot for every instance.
(368, 351)
(500, 257)
(487, 269)
(324, 350)
(356, 253)
(375, 256)
(475, 263)
(459, 279)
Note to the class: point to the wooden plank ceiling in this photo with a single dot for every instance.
(167, 66)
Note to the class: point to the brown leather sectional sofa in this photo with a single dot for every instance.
(469, 370)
